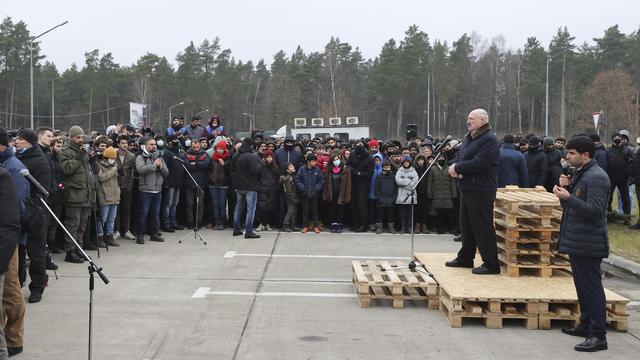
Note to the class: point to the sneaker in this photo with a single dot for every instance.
(178, 227)
(286, 228)
(116, 234)
(251, 236)
(129, 236)
(140, 239)
(268, 227)
(237, 232)
(50, 264)
(316, 230)
(304, 230)
(260, 228)
(156, 238)
(14, 350)
(167, 229)
(35, 298)
(89, 246)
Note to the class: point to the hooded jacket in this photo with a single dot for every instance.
(245, 169)
(38, 164)
(406, 178)
(377, 169)
(386, 189)
(14, 166)
(108, 187)
(269, 188)
(537, 166)
(74, 163)
(287, 155)
(618, 159)
(198, 165)
(344, 193)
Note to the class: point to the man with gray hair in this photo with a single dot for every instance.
(477, 173)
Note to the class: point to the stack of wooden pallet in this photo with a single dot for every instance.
(382, 280)
(527, 224)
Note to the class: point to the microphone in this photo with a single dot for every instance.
(34, 182)
(443, 143)
(180, 160)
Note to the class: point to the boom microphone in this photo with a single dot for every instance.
(177, 158)
(34, 182)
(442, 143)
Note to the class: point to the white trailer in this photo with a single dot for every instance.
(317, 129)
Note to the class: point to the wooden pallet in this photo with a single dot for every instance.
(526, 234)
(569, 312)
(525, 247)
(492, 311)
(524, 217)
(528, 265)
(382, 280)
(513, 199)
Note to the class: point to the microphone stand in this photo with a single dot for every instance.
(196, 228)
(93, 268)
(413, 264)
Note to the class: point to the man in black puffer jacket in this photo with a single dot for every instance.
(245, 169)
(618, 158)
(36, 215)
(635, 175)
(536, 163)
(584, 236)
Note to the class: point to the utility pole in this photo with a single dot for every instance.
(546, 101)
(563, 108)
(428, 103)
(53, 109)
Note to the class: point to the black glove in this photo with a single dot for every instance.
(120, 172)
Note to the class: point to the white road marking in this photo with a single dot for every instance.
(634, 303)
(203, 292)
(232, 254)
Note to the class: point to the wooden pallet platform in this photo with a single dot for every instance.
(382, 280)
(523, 217)
(526, 234)
(525, 248)
(515, 265)
(512, 200)
(494, 297)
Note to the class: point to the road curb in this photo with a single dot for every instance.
(624, 264)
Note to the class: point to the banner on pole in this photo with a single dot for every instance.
(138, 115)
(596, 119)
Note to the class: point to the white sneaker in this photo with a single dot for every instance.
(260, 228)
(116, 234)
(268, 227)
(129, 236)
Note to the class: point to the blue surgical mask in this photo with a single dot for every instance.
(21, 151)
(336, 163)
(13, 150)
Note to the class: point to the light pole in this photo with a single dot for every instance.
(546, 101)
(251, 121)
(31, 62)
(171, 107)
(200, 112)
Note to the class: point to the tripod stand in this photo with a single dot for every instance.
(93, 268)
(196, 228)
(412, 264)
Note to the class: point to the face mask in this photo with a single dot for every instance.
(175, 143)
(111, 161)
(86, 147)
(21, 151)
(187, 143)
(617, 141)
(336, 163)
(13, 150)
(160, 143)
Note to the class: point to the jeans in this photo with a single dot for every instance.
(310, 211)
(149, 204)
(244, 199)
(623, 191)
(105, 224)
(170, 203)
(219, 203)
(632, 190)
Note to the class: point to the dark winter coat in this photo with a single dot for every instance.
(309, 181)
(127, 167)
(441, 188)
(361, 163)
(386, 189)
(477, 164)
(634, 168)
(601, 156)
(618, 159)
(176, 171)
(285, 155)
(344, 196)
(583, 230)
(38, 164)
(219, 174)
(198, 165)
(422, 185)
(269, 188)
(554, 168)
(74, 164)
(537, 166)
(245, 169)
(290, 190)
(10, 228)
(512, 168)
(14, 166)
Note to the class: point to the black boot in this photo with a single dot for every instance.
(392, 228)
(140, 239)
(50, 264)
(89, 246)
(111, 241)
(635, 226)
(101, 242)
(592, 344)
(156, 238)
(73, 257)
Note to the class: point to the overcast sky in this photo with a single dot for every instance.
(256, 30)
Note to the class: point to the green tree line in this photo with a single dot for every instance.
(414, 80)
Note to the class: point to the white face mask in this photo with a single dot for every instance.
(187, 143)
(336, 163)
(111, 161)
(86, 147)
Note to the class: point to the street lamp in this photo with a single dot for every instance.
(171, 107)
(31, 62)
(200, 112)
(546, 101)
(251, 121)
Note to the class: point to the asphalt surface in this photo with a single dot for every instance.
(284, 296)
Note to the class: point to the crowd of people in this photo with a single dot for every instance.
(129, 183)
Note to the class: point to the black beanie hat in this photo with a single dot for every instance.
(4, 137)
(29, 135)
(311, 157)
(508, 139)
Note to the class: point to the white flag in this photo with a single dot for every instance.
(596, 119)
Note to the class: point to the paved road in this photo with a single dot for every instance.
(284, 296)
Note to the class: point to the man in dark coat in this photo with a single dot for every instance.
(171, 193)
(601, 151)
(634, 169)
(512, 168)
(584, 236)
(362, 164)
(198, 163)
(10, 229)
(536, 163)
(477, 171)
(245, 168)
(619, 157)
(36, 161)
(126, 163)
(554, 167)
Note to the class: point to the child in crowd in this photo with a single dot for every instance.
(291, 195)
(337, 190)
(386, 193)
(309, 181)
(406, 178)
(268, 192)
